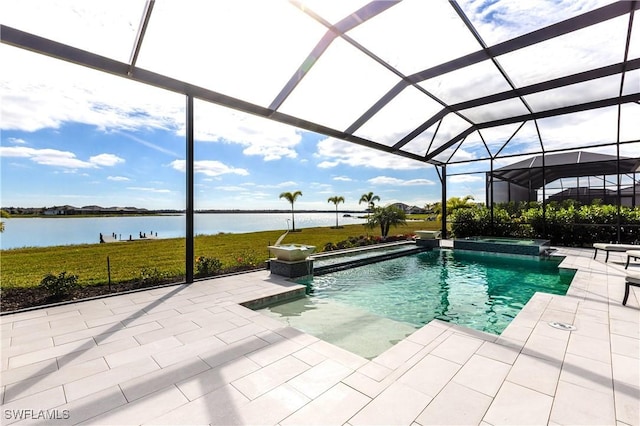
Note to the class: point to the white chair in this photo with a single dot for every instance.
(613, 247)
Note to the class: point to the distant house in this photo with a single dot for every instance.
(60, 210)
(409, 209)
(87, 210)
(416, 210)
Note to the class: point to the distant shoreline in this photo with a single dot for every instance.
(175, 213)
(279, 211)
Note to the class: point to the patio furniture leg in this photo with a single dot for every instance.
(606, 259)
(627, 285)
(626, 293)
(627, 265)
(595, 253)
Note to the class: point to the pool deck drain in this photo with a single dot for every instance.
(193, 354)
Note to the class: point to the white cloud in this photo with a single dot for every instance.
(118, 178)
(465, 178)
(148, 144)
(33, 101)
(106, 160)
(154, 190)
(230, 188)
(343, 178)
(258, 136)
(319, 185)
(209, 168)
(57, 158)
(333, 152)
(386, 180)
(501, 20)
(286, 184)
(17, 141)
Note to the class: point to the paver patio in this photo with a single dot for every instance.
(191, 354)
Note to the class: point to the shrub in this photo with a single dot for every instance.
(566, 223)
(153, 276)
(248, 259)
(60, 285)
(476, 221)
(329, 247)
(207, 266)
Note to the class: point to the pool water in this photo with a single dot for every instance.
(477, 290)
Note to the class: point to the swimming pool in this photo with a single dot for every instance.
(381, 303)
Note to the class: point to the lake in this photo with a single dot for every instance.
(56, 231)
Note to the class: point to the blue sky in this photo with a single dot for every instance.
(81, 164)
(75, 136)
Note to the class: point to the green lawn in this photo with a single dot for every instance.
(26, 267)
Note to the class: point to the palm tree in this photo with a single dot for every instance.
(291, 198)
(336, 200)
(370, 199)
(453, 204)
(386, 217)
